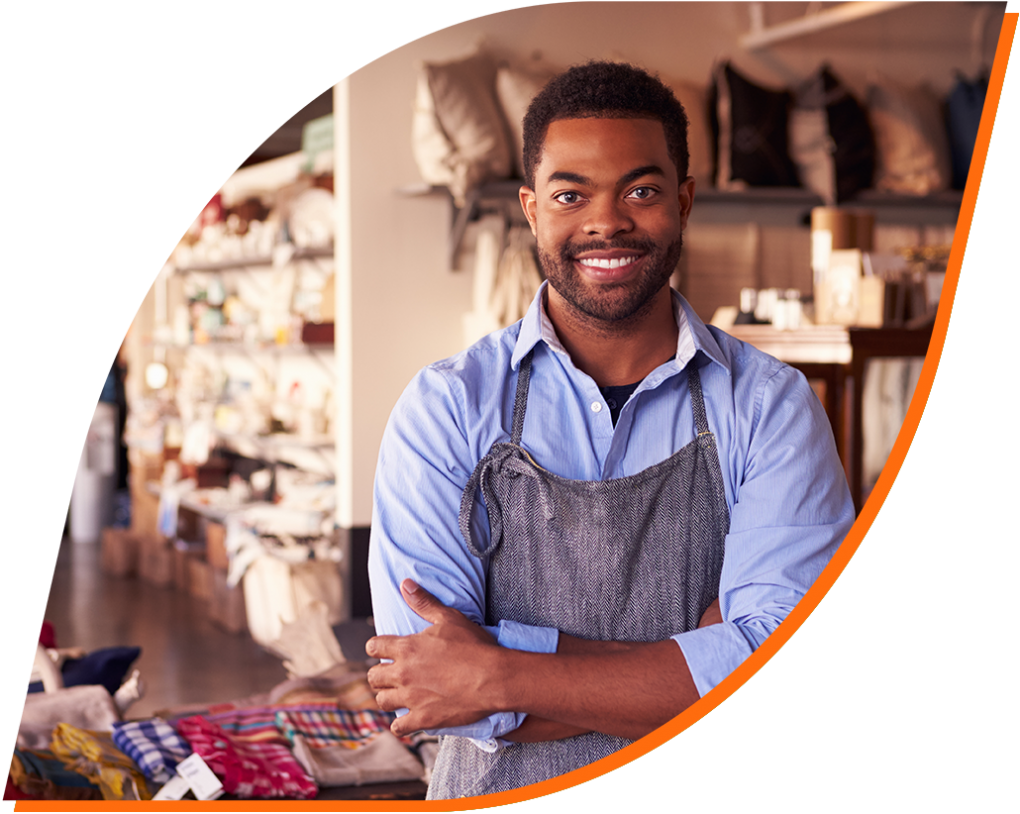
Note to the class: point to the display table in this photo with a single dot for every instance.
(834, 354)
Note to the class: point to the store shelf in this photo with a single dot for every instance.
(316, 454)
(256, 262)
(764, 204)
(819, 20)
(296, 349)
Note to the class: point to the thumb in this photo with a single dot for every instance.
(422, 602)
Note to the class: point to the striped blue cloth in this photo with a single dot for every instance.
(154, 745)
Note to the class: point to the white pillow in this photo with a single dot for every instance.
(515, 89)
(458, 133)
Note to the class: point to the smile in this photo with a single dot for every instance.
(607, 263)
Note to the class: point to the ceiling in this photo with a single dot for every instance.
(287, 139)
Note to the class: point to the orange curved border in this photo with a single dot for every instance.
(782, 634)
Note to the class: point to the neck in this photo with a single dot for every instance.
(616, 353)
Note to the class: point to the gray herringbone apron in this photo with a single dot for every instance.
(630, 559)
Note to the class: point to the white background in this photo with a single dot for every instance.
(120, 121)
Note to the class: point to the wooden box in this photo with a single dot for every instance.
(215, 546)
(118, 555)
(156, 560)
(226, 605)
(144, 510)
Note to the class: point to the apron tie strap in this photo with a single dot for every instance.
(503, 461)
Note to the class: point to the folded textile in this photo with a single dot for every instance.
(247, 769)
(382, 758)
(259, 724)
(93, 755)
(39, 773)
(87, 707)
(154, 745)
(349, 747)
(332, 727)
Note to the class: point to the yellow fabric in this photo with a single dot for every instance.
(93, 755)
(18, 773)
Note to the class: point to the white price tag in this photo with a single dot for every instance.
(174, 789)
(204, 784)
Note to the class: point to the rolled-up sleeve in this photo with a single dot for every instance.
(424, 463)
(792, 509)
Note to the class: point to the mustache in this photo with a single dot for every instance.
(572, 249)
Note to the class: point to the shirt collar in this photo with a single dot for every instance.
(693, 333)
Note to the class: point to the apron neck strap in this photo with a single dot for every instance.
(524, 381)
(521, 399)
(697, 400)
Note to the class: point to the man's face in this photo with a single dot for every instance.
(607, 212)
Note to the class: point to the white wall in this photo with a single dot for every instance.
(407, 305)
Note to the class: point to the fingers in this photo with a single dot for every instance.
(423, 603)
(382, 647)
(381, 677)
(405, 725)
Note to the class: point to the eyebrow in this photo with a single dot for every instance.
(570, 178)
(584, 180)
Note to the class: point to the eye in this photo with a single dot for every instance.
(568, 197)
(641, 193)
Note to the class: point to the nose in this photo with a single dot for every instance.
(606, 217)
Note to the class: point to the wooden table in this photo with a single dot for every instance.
(835, 354)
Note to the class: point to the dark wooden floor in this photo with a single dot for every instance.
(185, 658)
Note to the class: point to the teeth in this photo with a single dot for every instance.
(615, 263)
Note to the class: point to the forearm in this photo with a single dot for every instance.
(453, 673)
(536, 728)
(618, 689)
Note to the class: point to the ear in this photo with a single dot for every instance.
(529, 203)
(686, 196)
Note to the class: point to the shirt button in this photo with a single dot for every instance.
(596, 407)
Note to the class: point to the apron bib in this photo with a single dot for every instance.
(636, 558)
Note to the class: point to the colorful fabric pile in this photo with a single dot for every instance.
(303, 735)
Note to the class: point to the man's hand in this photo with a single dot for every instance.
(453, 673)
(440, 674)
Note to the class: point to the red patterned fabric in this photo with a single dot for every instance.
(247, 769)
(48, 637)
(258, 724)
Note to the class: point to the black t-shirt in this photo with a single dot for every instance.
(616, 397)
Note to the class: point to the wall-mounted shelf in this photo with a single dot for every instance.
(819, 20)
(312, 455)
(297, 349)
(711, 204)
(493, 196)
(256, 261)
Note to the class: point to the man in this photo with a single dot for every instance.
(573, 482)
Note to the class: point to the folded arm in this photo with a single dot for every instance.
(454, 673)
(790, 510)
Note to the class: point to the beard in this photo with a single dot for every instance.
(614, 302)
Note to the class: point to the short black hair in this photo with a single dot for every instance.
(610, 90)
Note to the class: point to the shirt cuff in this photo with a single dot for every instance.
(519, 636)
(713, 652)
(487, 733)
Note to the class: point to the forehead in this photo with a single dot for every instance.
(611, 145)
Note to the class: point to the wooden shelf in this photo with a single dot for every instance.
(820, 20)
(252, 347)
(255, 262)
(316, 455)
(715, 205)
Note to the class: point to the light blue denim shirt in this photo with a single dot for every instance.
(789, 503)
